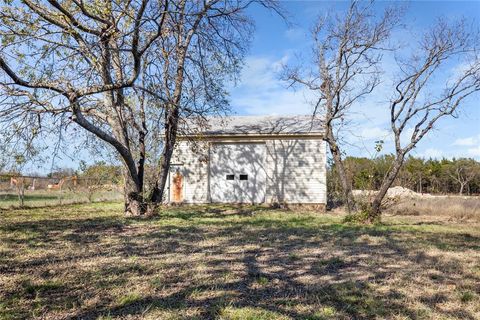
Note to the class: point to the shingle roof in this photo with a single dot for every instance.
(248, 125)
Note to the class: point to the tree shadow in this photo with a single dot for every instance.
(196, 269)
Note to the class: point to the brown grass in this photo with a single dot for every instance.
(89, 262)
(450, 207)
(46, 198)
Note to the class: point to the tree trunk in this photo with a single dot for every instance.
(375, 207)
(134, 202)
(170, 140)
(21, 192)
(346, 186)
(462, 186)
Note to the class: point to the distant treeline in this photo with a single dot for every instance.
(99, 171)
(461, 176)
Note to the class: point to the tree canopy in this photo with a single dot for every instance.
(126, 72)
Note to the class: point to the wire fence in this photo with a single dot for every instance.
(34, 191)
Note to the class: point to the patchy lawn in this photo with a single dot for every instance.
(44, 198)
(89, 262)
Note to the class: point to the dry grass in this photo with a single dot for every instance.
(44, 198)
(88, 262)
(451, 207)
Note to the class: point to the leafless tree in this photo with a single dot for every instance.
(347, 52)
(99, 66)
(463, 171)
(447, 57)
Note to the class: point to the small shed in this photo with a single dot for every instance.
(251, 159)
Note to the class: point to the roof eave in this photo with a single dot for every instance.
(220, 136)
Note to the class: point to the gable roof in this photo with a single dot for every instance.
(261, 125)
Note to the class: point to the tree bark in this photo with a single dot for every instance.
(462, 186)
(337, 158)
(171, 125)
(373, 215)
(170, 140)
(134, 201)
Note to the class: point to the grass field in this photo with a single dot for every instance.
(43, 198)
(441, 207)
(89, 262)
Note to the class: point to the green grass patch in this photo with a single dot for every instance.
(467, 296)
(247, 313)
(128, 299)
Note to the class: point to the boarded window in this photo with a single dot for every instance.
(230, 177)
(244, 177)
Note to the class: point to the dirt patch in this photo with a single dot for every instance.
(394, 192)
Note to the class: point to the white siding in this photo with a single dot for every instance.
(194, 169)
(236, 160)
(295, 170)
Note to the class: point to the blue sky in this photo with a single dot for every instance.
(260, 91)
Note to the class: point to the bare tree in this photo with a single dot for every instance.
(347, 51)
(191, 82)
(463, 171)
(66, 62)
(448, 52)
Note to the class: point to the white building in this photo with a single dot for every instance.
(247, 159)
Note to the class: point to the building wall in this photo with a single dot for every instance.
(237, 172)
(193, 166)
(295, 170)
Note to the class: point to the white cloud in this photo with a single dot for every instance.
(469, 141)
(262, 92)
(470, 146)
(459, 70)
(432, 153)
(474, 152)
(374, 133)
(295, 34)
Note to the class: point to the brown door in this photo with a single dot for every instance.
(177, 187)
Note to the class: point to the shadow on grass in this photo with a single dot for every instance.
(223, 257)
(213, 211)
